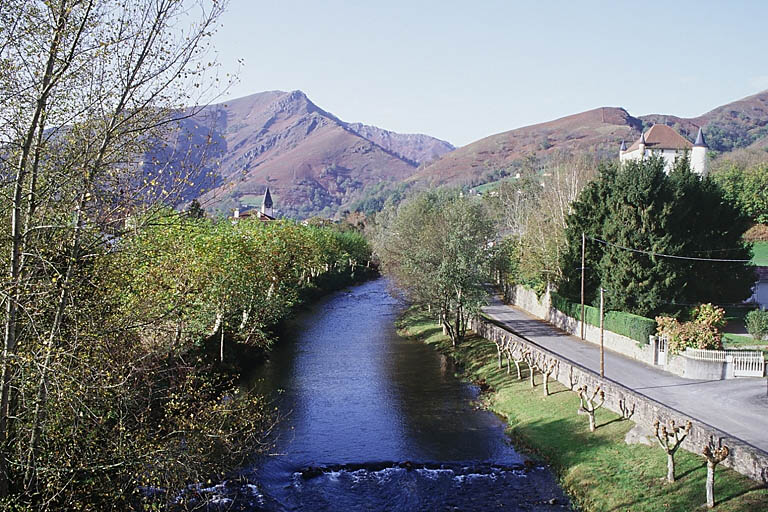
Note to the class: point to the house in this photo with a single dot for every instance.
(663, 141)
(265, 214)
(760, 295)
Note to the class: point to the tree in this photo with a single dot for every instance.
(745, 186)
(632, 214)
(194, 210)
(589, 403)
(670, 437)
(85, 85)
(437, 247)
(532, 213)
(715, 454)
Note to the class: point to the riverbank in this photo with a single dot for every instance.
(240, 358)
(598, 470)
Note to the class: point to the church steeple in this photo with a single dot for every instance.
(267, 204)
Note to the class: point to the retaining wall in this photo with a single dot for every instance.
(527, 300)
(744, 458)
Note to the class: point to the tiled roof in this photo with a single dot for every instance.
(661, 136)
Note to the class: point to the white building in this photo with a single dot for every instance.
(760, 290)
(663, 141)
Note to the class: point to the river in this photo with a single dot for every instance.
(373, 421)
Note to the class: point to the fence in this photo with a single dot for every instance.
(746, 363)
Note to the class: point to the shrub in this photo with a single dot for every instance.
(639, 328)
(757, 324)
(632, 326)
(703, 331)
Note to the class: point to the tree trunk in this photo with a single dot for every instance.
(591, 415)
(546, 384)
(517, 367)
(221, 345)
(670, 467)
(710, 485)
(498, 354)
(532, 374)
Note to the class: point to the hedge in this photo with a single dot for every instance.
(632, 326)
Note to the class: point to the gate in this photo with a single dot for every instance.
(749, 365)
(661, 350)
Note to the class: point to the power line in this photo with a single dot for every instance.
(651, 253)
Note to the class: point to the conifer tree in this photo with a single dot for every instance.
(636, 205)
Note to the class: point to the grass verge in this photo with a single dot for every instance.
(598, 470)
(760, 256)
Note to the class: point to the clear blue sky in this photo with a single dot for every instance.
(463, 70)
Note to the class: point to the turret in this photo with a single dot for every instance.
(266, 205)
(641, 145)
(699, 155)
(622, 150)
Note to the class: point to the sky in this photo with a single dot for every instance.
(463, 70)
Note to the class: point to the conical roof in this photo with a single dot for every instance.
(623, 146)
(267, 199)
(700, 142)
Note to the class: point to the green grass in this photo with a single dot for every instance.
(492, 185)
(760, 256)
(598, 470)
(731, 340)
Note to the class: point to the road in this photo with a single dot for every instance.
(736, 406)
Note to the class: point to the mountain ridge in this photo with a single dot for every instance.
(312, 161)
(735, 125)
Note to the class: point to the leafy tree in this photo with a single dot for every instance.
(636, 206)
(436, 246)
(747, 188)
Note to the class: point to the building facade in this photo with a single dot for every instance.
(661, 140)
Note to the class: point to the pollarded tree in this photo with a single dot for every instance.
(437, 247)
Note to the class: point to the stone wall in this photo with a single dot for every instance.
(527, 300)
(744, 458)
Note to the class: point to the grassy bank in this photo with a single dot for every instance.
(598, 470)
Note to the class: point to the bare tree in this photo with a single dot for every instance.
(670, 437)
(626, 411)
(715, 453)
(548, 366)
(529, 357)
(589, 403)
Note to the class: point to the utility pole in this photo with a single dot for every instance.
(583, 246)
(602, 346)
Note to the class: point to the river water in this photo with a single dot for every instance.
(373, 421)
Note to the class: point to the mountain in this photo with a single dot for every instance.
(312, 161)
(732, 126)
(596, 130)
(600, 131)
(414, 147)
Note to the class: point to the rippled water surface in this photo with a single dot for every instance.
(377, 422)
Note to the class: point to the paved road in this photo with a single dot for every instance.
(736, 406)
